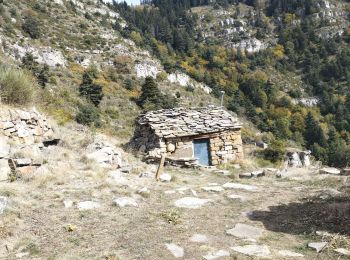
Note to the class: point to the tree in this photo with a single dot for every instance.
(150, 97)
(88, 115)
(90, 90)
(276, 151)
(313, 132)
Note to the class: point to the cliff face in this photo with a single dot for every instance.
(252, 29)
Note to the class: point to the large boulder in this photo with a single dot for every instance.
(4, 147)
(105, 154)
(4, 170)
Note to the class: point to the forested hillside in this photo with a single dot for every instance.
(294, 85)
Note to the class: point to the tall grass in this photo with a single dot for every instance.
(16, 86)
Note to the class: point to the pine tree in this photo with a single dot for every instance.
(150, 98)
(90, 90)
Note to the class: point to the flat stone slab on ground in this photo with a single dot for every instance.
(176, 250)
(236, 197)
(245, 231)
(213, 189)
(330, 170)
(125, 202)
(199, 238)
(342, 251)
(318, 246)
(232, 185)
(253, 250)
(191, 202)
(68, 203)
(288, 253)
(216, 254)
(87, 205)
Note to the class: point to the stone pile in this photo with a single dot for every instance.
(24, 126)
(298, 159)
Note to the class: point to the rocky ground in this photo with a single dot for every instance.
(74, 208)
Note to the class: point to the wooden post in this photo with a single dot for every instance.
(160, 167)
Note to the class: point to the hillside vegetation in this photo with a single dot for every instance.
(282, 64)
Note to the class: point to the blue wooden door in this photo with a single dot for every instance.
(201, 151)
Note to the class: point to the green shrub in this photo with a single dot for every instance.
(276, 151)
(16, 87)
(32, 27)
(88, 115)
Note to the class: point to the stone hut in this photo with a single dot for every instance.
(210, 135)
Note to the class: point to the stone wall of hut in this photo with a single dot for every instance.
(224, 147)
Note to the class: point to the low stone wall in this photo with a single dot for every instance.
(24, 126)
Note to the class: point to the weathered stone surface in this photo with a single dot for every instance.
(88, 205)
(231, 185)
(287, 253)
(199, 238)
(216, 254)
(245, 231)
(253, 250)
(3, 204)
(176, 250)
(191, 202)
(318, 246)
(125, 202)
(245, 175)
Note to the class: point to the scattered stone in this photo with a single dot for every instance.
(318, 246)
(345, 171)
(213, 188)
(22, 254)
(68, 203)
(105, 154)
(223, 172)
(143, 191)
(234, 197)
(245, 231)
(23, 162)
(216, 254)
(287, 253)
(170, 191)
(191, 202)
(246, 175)
(3, 204)
(194, 193)
(257, 174)
(176, 250)
(330, 170)
(323, 234)
(253, 250)
(199, 238)
(125, 202)
(165, 177)
(88, 205)
(231, 185)
(147, 175)
(342, 251)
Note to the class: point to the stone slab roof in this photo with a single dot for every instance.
(180, 122)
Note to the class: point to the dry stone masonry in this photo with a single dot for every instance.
(173, 132)
(24, 126)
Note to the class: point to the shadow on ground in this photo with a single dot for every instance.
(308, 216)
